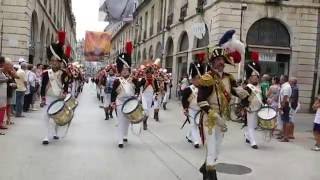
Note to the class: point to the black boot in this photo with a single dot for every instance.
(110, 112)
(107, 114)
(212, 174)
(164, 106)
(145, 126)
(203, 170)
(156, 115)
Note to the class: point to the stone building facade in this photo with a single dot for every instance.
(29, 26)
(284, 32)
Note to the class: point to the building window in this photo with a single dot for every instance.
(151, 21)
(183, 11)
(145, 26)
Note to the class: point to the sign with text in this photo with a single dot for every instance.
(268, 57)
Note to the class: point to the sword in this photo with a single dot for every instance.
(185, 122)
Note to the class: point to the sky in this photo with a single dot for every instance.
(86, 13)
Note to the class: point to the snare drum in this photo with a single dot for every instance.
(59, 112)
(267, 118)
(70, 101)
(132, 108)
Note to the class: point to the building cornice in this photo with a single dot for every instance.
(140, 7)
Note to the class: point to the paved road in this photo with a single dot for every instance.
(90, 152)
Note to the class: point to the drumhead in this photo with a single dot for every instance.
(130, 106)
(68, 96)
(267, 113)
(55, 107)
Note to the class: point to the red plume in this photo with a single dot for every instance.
(255, 57)
(236, 56)
(129, 48)
(61, 37)
(201, 56)
(68, 51)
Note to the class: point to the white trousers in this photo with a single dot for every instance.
(147, 98)
(166, 97)
(73, 89)
(50, 126)
(249, 131)
(213, 144)
(193, 133)
(123, 125)
(107, 100)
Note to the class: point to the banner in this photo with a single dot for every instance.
(97, 45)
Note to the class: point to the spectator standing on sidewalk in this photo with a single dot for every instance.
(11, 86)
(265, 85)
(31, 88)
(3, 94)
(36, 93)
(273, 100)
(284, 106)
(294, 105)
(21, 88)
(316, 125)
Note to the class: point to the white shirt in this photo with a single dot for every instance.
(317, 118)
(284, 91)
(31, 80)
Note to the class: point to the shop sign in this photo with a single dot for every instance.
(198, 30)
(268, 57)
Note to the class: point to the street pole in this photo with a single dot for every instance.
(243, 8)
(1, 37)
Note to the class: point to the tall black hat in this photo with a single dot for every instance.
(55, 50)
(196, 69)
(252, 68)
(123, 61)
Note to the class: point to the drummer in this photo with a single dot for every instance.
(54, 85)
(149, 87)
(123, 88)
(255, 103)
(190, 105)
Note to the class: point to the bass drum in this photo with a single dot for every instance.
(70, 101)
(267, 118)
(132, 108)
(59, 112)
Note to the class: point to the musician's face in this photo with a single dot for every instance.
(254, 80)
(111, 73)
(195, 81)
(125, 72)
(218, 64)
(55, 63)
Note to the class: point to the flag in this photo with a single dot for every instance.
(117, 11)
(97, 45)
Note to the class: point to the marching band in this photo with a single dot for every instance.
(133, 93)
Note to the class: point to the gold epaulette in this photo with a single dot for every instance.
(206, 80)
